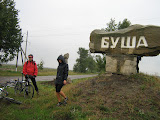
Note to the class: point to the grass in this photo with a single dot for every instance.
(10, 70)
(135, 97)
(42, 107)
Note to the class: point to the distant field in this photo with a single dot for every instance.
(10, 70)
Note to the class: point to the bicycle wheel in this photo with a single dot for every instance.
(17, 88)
(28, 91)
(13, 100)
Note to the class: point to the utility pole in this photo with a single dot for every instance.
(22, 52)
(17, 61)
(26, 48)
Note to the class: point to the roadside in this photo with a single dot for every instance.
(3, 79)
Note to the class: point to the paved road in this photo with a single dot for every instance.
(43, 78)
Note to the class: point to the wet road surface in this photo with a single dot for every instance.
(42, 78)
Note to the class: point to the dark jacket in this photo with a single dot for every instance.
(62, 71)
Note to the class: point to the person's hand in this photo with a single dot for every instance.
(26, 76)
(64, 82)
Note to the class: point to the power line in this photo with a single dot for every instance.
(55, 35)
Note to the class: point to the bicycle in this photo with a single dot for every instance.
(4, 94)
(25, 86)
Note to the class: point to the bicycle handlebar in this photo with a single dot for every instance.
(29, 76)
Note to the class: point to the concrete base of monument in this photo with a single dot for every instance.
(121, 64)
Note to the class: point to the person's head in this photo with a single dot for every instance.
(60, 59)
(30, 56)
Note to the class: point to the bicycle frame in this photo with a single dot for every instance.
(4, 94)
(26, 87)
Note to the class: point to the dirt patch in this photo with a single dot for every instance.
(118, 96)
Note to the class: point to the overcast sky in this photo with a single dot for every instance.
(62, 26)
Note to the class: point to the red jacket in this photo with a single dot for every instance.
(30, 68)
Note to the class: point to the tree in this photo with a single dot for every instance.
(126, 23)
(81, 65)
(112, 26)
(101, 62)
(10, 32)
(91, 64)
(85, 62)
(40, 65)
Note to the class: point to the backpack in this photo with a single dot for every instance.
(32, 61)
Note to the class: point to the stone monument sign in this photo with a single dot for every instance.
(123, 46)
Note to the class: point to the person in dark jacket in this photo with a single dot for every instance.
(61, 79)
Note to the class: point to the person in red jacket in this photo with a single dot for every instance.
(30, 70)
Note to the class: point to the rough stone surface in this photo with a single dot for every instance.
(121, 64)
(142, 41)
(111, 64)
(129, 66)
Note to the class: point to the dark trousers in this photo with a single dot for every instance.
(34, 83)
(137, 67)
